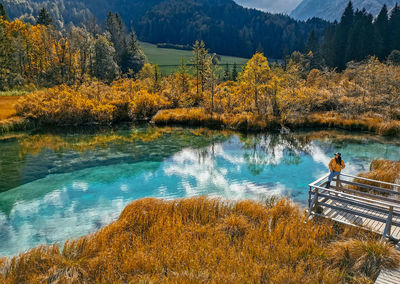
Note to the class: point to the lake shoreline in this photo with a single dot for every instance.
(253, 124)
(245, 123)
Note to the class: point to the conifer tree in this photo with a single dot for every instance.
(361, 37)
(342, 36)
(327, 47)
(312, 43)
(44, 18)
(136, 57)
(394, 24)
(234, 72)
(3, 13)
(227, 73)
(104, 66)
(115, 27)
(381, 25)
(313, 49)
(156, 78)
(183, 76)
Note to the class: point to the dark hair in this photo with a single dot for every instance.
(338, 160)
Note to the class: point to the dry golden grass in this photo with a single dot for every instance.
(367, 257)
(365, 122)
(15, 124)
(382, 170)
(203, 240)
(253, 122)
(200, 117)
(7, 106)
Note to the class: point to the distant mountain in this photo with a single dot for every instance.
(333, 9)
(226, 27)
(272, 6)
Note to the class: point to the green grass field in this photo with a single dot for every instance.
(166, 58)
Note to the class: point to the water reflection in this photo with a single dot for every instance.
(84, 180)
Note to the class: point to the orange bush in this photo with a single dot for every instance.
(90, 103)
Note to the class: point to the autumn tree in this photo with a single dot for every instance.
(211, 73)
(199, 60)
(82, 42)
(6, 62)
(254, 77)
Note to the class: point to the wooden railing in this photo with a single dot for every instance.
(348, 194)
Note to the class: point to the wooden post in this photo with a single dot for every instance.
(338, 183)
(313, 203)
(388, 225)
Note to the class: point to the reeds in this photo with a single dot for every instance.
(206, 240)
(16, 124)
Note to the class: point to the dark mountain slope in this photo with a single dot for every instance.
(332, 9)
(226, 27)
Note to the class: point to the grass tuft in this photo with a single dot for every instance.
(366, 258)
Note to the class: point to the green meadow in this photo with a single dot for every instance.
(169, 59)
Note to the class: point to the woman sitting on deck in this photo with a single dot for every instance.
(336, 165)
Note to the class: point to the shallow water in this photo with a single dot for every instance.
(57, 186)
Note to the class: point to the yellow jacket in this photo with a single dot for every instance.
(335, 167)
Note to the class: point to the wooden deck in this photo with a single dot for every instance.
(368, 204)
(372, 207)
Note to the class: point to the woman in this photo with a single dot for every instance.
(336, 165)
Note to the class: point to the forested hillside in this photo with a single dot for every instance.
(357, 36)
(226, 27)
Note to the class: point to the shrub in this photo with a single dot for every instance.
(90, 103)
(146, 105)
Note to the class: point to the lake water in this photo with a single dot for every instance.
(55, 186)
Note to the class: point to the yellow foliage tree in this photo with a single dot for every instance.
(254, 77)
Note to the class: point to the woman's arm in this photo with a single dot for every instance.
(343, 165)
(331, 165)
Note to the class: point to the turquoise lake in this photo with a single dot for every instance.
(55, 186)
